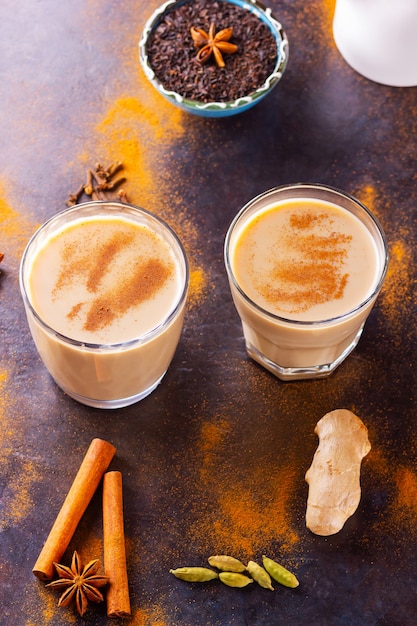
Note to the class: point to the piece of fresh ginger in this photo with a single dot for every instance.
(334, 475)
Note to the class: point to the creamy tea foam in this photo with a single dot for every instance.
(305, 260)
(104, 280)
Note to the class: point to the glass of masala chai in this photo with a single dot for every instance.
(105, 286)
(305, 264)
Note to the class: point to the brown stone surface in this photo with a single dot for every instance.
(213, 462)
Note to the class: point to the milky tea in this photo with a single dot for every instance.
(104, 286)
(305, 265)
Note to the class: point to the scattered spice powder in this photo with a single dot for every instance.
(250, 508)
(19, 474)
(327, 14)
(140, 137)
(151, 616)
(16, 228)
(397, 293)
(400, 483)
(47, 612)
(198, 286)
(18, 495)
(406, 481)
(368, 195)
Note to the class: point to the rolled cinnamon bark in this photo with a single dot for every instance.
(89, 475)
(117, 596)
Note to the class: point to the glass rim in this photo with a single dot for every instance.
(130, 343)
(316, 187)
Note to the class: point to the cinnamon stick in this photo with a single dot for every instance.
(89, 475)
(117, 596)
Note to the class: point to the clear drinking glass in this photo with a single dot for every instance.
(306, 347)
(121, 370)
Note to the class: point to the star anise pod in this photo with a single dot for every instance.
(79, 583)
(213, 43)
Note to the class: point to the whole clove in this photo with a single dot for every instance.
(100, 184)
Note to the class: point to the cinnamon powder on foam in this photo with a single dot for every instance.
(139, 285)
(318, 277)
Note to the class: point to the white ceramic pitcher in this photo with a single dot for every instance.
(378, 38)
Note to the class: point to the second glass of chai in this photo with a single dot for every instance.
(105, 286)
(305, 264)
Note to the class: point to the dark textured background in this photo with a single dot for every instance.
(214, 460)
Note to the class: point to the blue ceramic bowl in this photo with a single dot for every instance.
(219, 109)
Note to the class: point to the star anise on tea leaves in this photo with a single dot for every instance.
(213, 44)
(78, 583)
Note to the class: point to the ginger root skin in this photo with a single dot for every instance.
(334, 475)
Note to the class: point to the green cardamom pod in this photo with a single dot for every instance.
(234, 579)
(194, 574)
(259, 574)
(226, 563)
(279, 573)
